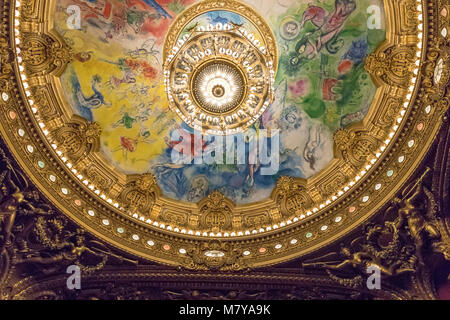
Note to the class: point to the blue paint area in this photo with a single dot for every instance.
(223, 17)
(234, 181)
(357, 51)
(84, 104)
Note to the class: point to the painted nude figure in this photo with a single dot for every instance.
(328, 27)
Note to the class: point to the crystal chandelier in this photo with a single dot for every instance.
(219, 78)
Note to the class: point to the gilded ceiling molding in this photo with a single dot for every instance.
(140, 194)
(44, 54)
(373, 158)
(78, 138)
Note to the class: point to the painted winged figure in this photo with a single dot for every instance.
(328, 26)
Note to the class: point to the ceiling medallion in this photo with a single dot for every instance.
(219, 78)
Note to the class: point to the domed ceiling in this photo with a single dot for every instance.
(116, 80)
(221, 134)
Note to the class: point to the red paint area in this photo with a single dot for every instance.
(327, 89)
(143, 67)
(157, 28)
(186, 145)
(128, 144)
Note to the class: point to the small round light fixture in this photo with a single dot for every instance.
(218, 87)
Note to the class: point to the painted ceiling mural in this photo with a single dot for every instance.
(321, 85)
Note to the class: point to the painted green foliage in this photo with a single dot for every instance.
(323, 59)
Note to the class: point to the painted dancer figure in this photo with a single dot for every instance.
(130, 144)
